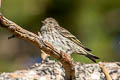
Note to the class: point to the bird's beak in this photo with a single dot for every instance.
(43, 22)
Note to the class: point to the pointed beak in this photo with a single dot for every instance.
(43, 22)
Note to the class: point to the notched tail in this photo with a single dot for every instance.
(92, 57)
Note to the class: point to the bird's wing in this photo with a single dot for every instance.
(68, 35)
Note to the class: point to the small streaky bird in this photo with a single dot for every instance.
(63, 40)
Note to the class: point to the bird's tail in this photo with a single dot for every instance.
(91, 56)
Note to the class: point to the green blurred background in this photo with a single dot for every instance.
(96, 23)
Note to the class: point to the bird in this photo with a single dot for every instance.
(63, 40)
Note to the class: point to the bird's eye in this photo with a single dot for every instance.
(50, 22)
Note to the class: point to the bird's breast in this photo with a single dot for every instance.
(60, 42)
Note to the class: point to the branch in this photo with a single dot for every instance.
(21, 33)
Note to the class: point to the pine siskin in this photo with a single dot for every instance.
(63, 40)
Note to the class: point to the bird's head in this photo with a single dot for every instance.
(50, 22)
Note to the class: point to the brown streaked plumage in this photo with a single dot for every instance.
(63, 40)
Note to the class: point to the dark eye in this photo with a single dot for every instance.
(50, 22)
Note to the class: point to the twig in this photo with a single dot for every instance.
(105, 71)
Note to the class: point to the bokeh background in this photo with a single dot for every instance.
(96, 23)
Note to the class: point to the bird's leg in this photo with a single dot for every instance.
(44, 57)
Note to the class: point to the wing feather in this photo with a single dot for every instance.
(68, 35)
